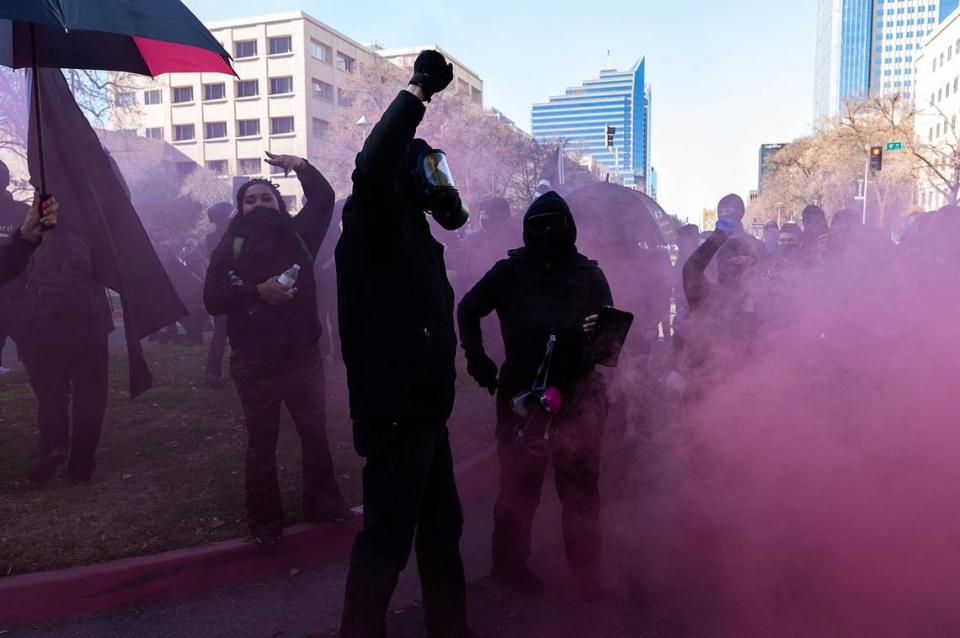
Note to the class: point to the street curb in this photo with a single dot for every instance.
(51, 595)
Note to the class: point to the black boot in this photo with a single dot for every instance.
(46, 468)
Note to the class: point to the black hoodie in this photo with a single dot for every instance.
(535, 296)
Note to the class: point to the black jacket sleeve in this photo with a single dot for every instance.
(219, 295)
(313, 222)
(14, 254)
(696, 286)
(479, 302)
(379, 162)
(600, 289)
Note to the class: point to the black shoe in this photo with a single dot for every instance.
(46, 468)
(337, 513)
(519, 579)
(77, 478)
(267, 536)
(591, 589)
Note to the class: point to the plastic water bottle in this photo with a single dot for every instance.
(290, 277)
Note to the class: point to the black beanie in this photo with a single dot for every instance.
(735, 202)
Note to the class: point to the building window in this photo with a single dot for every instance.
(218, 167)
(214, 130)
(346, 63)
(248, 88)
(185, 168)
(280, 45)
(154, 133)
(320, 127)
(248, 128)
(462, 86)
(245, 49)
(344, 98)
(476, 95)
(322, 90)
(214, 91)
(249, 166)
(281, 125)
(182, 94)
(321, 51)
(183, 132)
(126, 99)
(153, 96)
(281, 86)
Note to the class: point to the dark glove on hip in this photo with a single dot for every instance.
(484, 371)
(431, 72)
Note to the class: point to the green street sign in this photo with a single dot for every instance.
(894, 146)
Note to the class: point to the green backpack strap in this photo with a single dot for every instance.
(238, 246)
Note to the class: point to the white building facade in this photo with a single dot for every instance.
(292, 72)
(938, 101)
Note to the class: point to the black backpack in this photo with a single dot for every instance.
(63, 297)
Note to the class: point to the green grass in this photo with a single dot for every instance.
(170, 466)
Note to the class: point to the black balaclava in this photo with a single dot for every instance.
(444, 204)
(561, 241)
(734, 203)
(814, 221)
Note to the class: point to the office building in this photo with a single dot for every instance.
(293, 74)
(869, 47)
(765, 167)
(937, 102)
(582, 116)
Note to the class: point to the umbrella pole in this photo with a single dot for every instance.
(36, 110)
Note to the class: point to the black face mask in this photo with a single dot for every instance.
(549, 235)
(265, 221)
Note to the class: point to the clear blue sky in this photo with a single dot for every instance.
(726, 77)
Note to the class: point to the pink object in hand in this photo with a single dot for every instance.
(552, 400)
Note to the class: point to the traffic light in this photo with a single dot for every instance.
(876, 158)
(610, 133)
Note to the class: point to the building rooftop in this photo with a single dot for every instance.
(280, 17)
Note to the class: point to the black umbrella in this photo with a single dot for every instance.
(146, 37)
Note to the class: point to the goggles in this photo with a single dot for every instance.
(436, 170)
(546, 223)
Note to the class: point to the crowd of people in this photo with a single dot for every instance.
(266, 280)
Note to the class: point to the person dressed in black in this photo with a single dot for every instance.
(274, 340)
(395, 307)
(547, 288)
(219, 215)
(63, 331)
(12, 214)
(23, 240)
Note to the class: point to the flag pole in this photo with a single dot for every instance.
(36, 110)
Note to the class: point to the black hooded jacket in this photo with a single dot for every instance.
(270, 246)
(534, 297)
(395, 303)
(14, 254)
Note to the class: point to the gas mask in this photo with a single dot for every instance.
(436, 191)
(549, 234)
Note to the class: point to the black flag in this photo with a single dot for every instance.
(94, 202)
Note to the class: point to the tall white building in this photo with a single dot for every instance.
(292, 70)
(938, 99)
(869, 47)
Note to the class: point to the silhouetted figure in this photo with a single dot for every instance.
(219, 216)
(63, 331)
(545, 288)
(12, 214)
(399, 347)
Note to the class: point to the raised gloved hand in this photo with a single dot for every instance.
(432, 73)
(484, 370)
(727, 226)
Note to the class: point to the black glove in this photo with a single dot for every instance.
(484, 370)
(431, 72)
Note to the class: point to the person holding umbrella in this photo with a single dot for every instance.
(15, 251)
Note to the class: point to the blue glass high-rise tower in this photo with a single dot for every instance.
(580, 117)
(867, 47)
